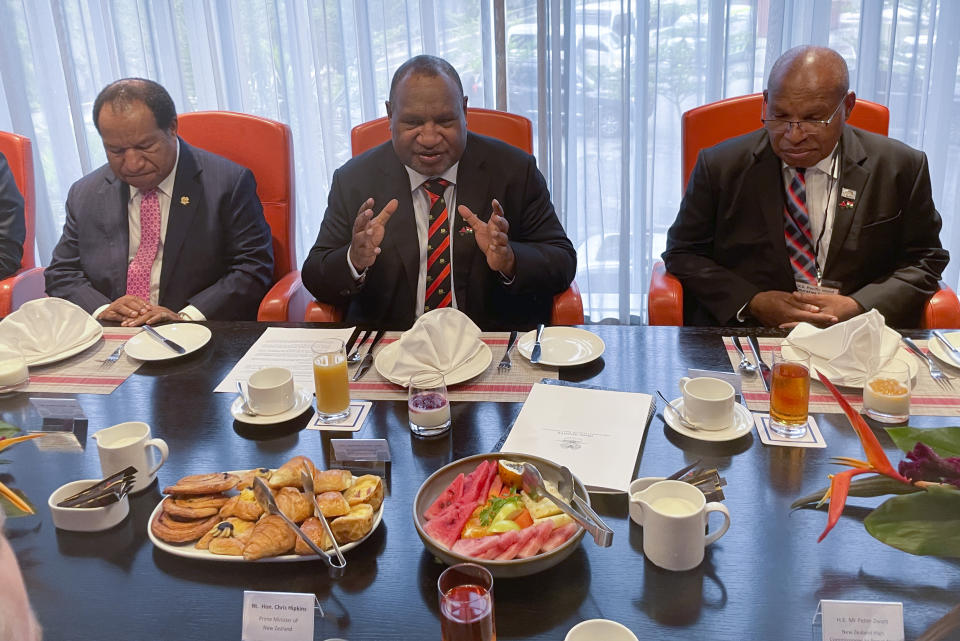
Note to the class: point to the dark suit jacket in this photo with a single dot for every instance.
(546, 260)
(217, 254)
(12, 226)
(727, 242)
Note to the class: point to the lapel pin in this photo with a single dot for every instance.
(845, 204)
(466, 229)
(848, 193)
(184, 200)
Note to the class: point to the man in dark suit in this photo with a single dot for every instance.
(465, 220)
(12, 226)
(807, 219)
(164, 231)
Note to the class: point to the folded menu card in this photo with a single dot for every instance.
(596, 433)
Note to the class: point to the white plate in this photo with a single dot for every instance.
(473, 366)
(303, 401)
(563, 346)
(59, 356)
(937, 349)
(187, 550)
(742, 424)
(855, 380)
(189, 336)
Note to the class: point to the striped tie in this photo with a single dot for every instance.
(796, 230)
(438, 292)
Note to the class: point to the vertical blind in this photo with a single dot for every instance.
(604, 81)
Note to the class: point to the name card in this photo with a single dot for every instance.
(861, 621)
(277, 616)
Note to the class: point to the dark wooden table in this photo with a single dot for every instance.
(761, 581)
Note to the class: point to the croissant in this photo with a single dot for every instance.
(333, 504)
(332, 481)
(314, 529)
(288, 474)
(366, 489)
(294, 504)
(270, 537)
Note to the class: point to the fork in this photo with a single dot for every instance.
(935, 372)
(114, 356)
(505, 363)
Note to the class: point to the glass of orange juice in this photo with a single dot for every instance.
(330, 378)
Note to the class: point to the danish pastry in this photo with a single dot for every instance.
(227, 537)
(203, 484)
(332, 481)
(171, 530)
(333, 504)
(353, 526)
(366, 489)
(194, 507)
(246, 477)
(243, 505)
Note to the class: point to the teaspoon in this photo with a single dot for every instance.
(745, 364)
(680, 419)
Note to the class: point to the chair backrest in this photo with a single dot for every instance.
(264, 147)
(510, 128)
(710, 124)
(19, 154)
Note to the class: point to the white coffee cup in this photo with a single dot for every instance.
(596, 629)
(126, 444)
(674, 515)
(707, 402)
(271, 391)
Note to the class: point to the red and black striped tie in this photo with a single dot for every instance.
(796, 230)
(438, 292)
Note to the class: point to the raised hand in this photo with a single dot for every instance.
(368, 232)
(492, 239)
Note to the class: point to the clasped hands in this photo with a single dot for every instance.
(786, 309)
(491, 236)
(133, 311)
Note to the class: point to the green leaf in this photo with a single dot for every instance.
(12, 510)
(945, 441)
(878, 485)
(925, 523)
(6, 429)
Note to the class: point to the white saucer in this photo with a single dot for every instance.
(473, 366)
(742, 424)
(937, 349)
(304, 400)
(189, 336)
(563, 346)
(854, 380)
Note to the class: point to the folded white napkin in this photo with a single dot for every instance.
(441, 340)
(843, 351)
(45, 327)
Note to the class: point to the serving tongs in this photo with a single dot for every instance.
(269, 505)
(109, 490)
(306, 479)
(532, 483)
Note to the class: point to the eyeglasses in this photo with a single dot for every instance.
(806, 126)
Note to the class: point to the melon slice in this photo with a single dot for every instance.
(447, 498)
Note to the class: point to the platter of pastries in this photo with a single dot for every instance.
(216, 516)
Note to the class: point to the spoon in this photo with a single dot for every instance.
(266, 501)
(532, 483)
(687, 424)
(245, 407)
(306, 479)
(745, 364)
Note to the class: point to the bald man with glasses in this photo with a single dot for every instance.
(807, 218)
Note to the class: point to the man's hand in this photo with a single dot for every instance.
(840, 307)
(785, 309)
(492, 239)
(154, 316)
(368, 233)
(124, 308)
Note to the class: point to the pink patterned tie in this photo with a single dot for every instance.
(138, 272)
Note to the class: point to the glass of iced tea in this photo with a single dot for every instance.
(330, 378)
(790, 393)
(886, 394)
(466, 603)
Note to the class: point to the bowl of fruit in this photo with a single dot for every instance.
(475, 510)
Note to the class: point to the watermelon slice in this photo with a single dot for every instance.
(475, 484)
(445, 528)
(559, 536)
(541, 532)
(447, 498)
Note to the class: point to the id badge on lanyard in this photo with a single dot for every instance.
(820, 287)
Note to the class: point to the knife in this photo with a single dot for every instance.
(367, 359)
(952, 351)
(765, 374)
(166, 341)
(535, 353)
(352, 340)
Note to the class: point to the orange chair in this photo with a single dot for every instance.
(27, 283)
(264, 147)
(710, 124)
(510, 128)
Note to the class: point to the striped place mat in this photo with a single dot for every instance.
(84, 373)
(511, 386)
(928, 398)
